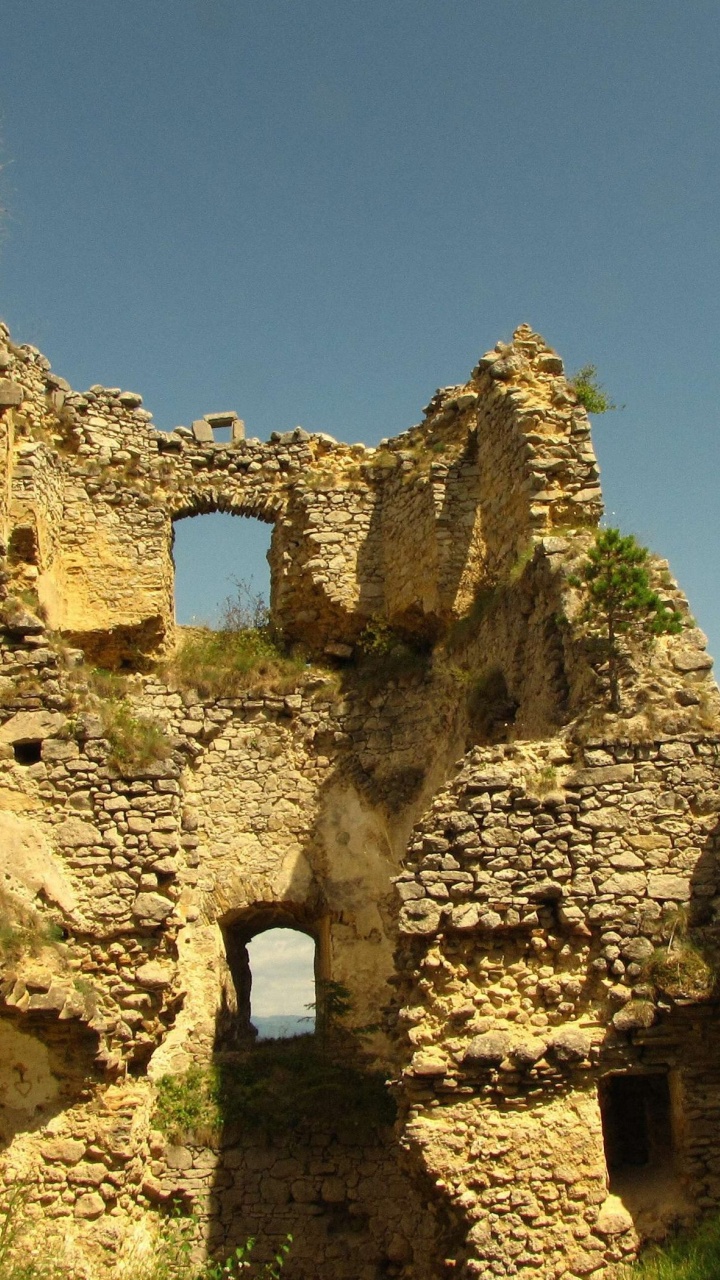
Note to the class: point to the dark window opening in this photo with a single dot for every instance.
(491, 708)
(637, 1123)
(27, 752)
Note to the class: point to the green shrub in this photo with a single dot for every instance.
(275, 1086)
(589, 392)
(619, 602)
(544, 781)
(387, 653)
(13, 1226)
(136, 740)
(692, 1255)
(172, 1257)
(23, 932)
(242, 655)
(682, 970)
(188, 1105)
(108, 686)
(225, 663)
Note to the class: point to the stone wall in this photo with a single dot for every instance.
(486, 860)
(538, 890)
(405, 530)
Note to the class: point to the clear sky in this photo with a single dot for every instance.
(315, 212)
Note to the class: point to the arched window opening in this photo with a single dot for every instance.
(274, 964)
(282, 983)
(212, 553)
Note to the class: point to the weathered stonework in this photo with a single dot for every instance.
(485, 859)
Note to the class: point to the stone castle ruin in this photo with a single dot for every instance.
(517, 890)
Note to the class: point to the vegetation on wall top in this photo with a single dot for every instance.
(275, 1086)
(589, 391)
(243, 654)
(618, 600)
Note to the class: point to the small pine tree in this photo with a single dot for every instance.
(619, 600)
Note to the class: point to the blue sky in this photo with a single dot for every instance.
(316, 213)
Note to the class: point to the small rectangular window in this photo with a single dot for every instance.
(27, 752)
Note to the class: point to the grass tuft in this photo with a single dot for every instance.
(682, 971)
(225, 663)
(135, 740)
(23, 932)
(692, 1255)
(243, 655)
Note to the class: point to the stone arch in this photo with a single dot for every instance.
(201, 501)
(253, 505)
(238, 927)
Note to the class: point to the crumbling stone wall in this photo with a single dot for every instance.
(530, 916)
(484, 858)
(403, 530)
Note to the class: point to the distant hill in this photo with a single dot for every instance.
(281, 1025)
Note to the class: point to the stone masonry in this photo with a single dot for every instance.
(488, 861)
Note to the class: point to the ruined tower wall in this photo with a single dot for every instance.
(407, 530)
(536, 898)
(487, 871)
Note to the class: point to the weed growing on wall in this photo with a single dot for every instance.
(226, 663)
(277, 1085)
(592, 396)
(15, 1264)
(136, 741)
(386, 653)
(23, 932)
(242, 655)
(188, 1105)
(685, 967)
(682, 971)
(173, 1255)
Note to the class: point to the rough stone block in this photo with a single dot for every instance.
(11, 394)
(63, 1150)
(154, 976)
(597, 777)
(665, 885)
(152, 907)
(73, 833)
(32, 726)
(637, 1015)
(91, 1205)
(489, 1049)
